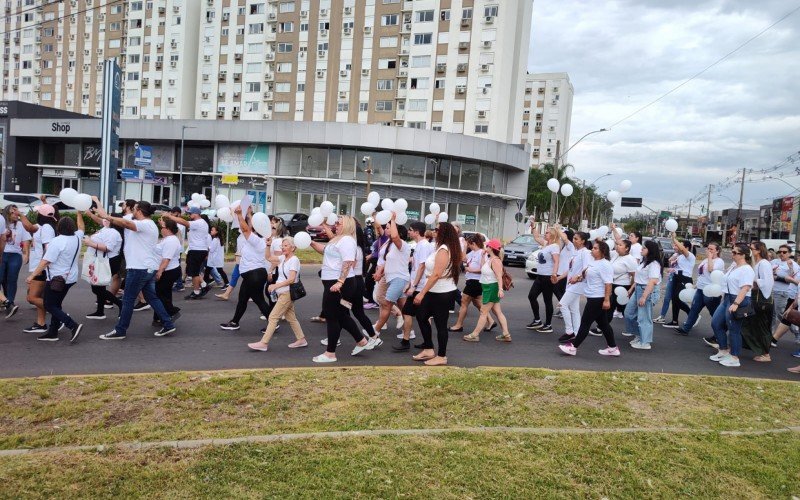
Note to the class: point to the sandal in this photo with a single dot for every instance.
(503, 338)
(436, 361)
(763, 358)
(471, 338)
(459, 329)
(317, 319)
(423, 357)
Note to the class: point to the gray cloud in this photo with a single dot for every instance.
(622, 54)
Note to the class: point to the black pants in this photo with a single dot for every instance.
(52, 304)
(164, 290)
(103, 296)
(338, 316)
(542, 286)
(358, 307)
(593, 311)
(207, 275)
(253, 282)
(369, 283)
(679, 282)
(436, 305)
(560, 288)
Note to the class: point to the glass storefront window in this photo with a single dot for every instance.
(483, 223)
(381, 165)
(442, 173)
(289, 161)
(486, 178)
(416, 211)
(315, 163)
(196, 158)
(161, 159)
(348, 164)
(408, 169)
(334, 163)
(285, 201)
(455, 173)
(467, 216)
(72, 154)
(469, 176)
(498, 181)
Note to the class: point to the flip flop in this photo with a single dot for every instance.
(420, 357)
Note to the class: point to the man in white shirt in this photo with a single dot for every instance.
(422, 250)
(198, 250)
(141, 261)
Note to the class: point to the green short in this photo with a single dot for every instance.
(490, 292)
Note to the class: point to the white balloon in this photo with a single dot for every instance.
(671, 225)
(192, 204)
(593, 234)
(443, 217)
(197, 197)
(553, 185)
(204, 203)
(435, 208)
(689, 286)
(602, 231)
(82, 202)
(67, 196)
(401, 218)
(623, 299)
(315, 219)
(221, 201)
(717, 277)
(225, 214)
(383, 217)
(374, 198)
(624, 186)
(621, 290)
(326, 208)
(302, 240)
(712, 290)
(430, 219)
(331, 220)
(261, 224)
(387, 204)
(367, 208)
(687, 295)
(315, 210)
(613, 196)
(618, 231)
(235, 204)
(566, 189)
(400, 205)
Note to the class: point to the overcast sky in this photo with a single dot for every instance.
(621, 54)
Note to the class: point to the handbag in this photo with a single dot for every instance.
(59, 283)
(793, 316)
(96, 269)
(743, 312)
(508, 281)
(296, 290)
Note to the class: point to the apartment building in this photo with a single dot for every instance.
(547, 115)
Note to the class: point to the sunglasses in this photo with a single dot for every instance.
(783, 251)
(736, 253)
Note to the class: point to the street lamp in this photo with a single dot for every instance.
(367, 161)
(555, 168)
(180, 172)
(583, 193)
(435, 174)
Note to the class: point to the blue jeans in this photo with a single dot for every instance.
(698, 303)
(667, 296)
(141, 280)
(639, 320)
(726, 327)
(234, 276)
(9, 273)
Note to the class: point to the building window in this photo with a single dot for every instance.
(133, 59)
(363, 106)
(251, 106)
(301, 87)
(466, 14)
(384, 105)
(424, 16)
(420, 61)
(254, 67)
(420, 83)
(134, 41)
(387, 63)
(285, 27)
(133, 76)
(385, 84)
(285, 67)
(303, 27)
(281, 107)
(417, 104)
(439, 83)
(134, 6)
(286, 7)
(255, 28)
(423, 38)
(322, 46)
(481, 128)
(285, 47)
(490, 11)
(283, 87)
(389, 20)
(343, 106)
(132, 110)
(254, 86)
(388, 41)
(419, 125)
(256, 8)
(47, 96)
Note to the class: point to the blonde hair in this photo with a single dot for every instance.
(553, 233)
(348, 227)
(290, 240)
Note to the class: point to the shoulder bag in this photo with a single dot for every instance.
(296, 290)
(59, 283)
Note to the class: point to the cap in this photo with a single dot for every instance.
(194, 210)
(494, 244)
(46, 210)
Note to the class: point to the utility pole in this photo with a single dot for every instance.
(689, 218)
(552, 218)
(739, 212)
(583, 197)
(708, 212)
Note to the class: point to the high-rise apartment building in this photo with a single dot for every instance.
(451, 65)
(547, 115)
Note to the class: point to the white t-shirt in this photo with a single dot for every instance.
(252, 251)
(61, 254)
(685, 264)
(275, 246)
(636, 252)
(140, 246)
(395, 265)
(567, 251)
(169, 248)
(198, 235)
(285, 268)
(576, 266)
(599, 273)
(445, 283)
(764, 278)
(623, 267)
(704, 272)
(473, 261)
(422, 251)
(545, 265)
(216, 256)
(15, 235)
(344, 250)
(359, 262)
(738, 277)
(645, 274)
(111, 238)
(41, 237)
(782, 269)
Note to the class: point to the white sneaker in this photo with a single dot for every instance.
(411, 336)
(609, 351)
(660, 320)
(359, 348)
(400, 322)
(323, 359)
(730, 361)
(626, 334)
(618, 314)
(372, 343)
(635, 340)
(639, 345)
(719, 356)
(325, 342)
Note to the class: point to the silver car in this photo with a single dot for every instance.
(518, 250)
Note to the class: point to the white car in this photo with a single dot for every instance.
(530, 264)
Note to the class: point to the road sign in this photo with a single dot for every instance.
(631, 202)
(129, 174)
(664, 214)
(518, 217)
(143, 156)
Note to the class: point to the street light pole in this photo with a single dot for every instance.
(368, 171)
(435, 173)
(180, 167)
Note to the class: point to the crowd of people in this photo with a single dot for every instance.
(409, 272)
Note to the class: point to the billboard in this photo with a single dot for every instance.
(243, 159)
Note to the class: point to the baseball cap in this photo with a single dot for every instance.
(46, 210)
(194, 210)
(494, 244)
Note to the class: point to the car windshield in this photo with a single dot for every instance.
(666, 245)
(285, 217)
(525, 239)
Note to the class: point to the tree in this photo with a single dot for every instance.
(569, 208)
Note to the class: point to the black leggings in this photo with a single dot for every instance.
(253, 282)
(542, 286)
(679, 282)
(358, 307)
(103, 296)
(338, 316)
(438, 306)
(593, 311)
(560, 288)
(164, 291)
(207, 275)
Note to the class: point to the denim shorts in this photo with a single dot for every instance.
(395, 289)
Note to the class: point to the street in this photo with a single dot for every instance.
(199, 344)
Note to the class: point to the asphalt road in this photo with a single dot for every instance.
(199, 344)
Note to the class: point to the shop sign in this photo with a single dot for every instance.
(243, 158)
(60, 172)
(230, 179)
(142, 156)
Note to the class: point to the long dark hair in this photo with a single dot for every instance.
(447, 235)
(586, 237)
(653, 253)
(220, 235)
(402, 233)
(762, 249)
(603, 247)
(46, 220)
(744, 249)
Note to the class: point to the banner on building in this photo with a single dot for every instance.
(786, 208)
(109, 143)
(142, 156)
(243, 159)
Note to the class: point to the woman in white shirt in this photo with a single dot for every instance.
(169, 255)
(546, 278)
(393, 259)
(787, 275)
(727, 327)
(639, 311)
(491, 292)
(471, 294)
(571, 300)
(61, 262)
(216, 258)
(711, 263)
(109, 241)
(442, 269)
(624, 265)
(684, 268)
(15, 255)
(597, 278)
(288, 273)
(757, 330)
(42, 233)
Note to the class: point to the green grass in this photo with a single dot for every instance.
(453, 466)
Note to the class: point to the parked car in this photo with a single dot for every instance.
(294, 222)
(21, 200)
(667, 250)
(518, 249)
